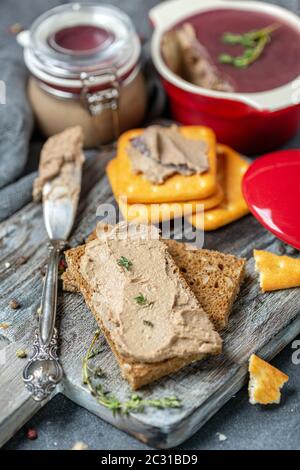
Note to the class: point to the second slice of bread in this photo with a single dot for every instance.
(214, 277)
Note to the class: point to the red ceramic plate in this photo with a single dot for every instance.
(271, 187)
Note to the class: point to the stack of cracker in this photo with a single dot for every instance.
(217, 191)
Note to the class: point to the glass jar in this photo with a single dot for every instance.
(84, 65)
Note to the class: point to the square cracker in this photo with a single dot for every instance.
(157, 212)
(176, 188)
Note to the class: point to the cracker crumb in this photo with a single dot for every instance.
(265, 382)
(4, 325)
(21, 353)
(15, 28)
(80, 446)
(221, 436)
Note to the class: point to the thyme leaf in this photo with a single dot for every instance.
(135, 403)
(141, 300)
(124, 263)
(148, 323)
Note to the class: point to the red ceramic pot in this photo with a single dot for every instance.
(249, 122)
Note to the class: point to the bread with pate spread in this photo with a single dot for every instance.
(214, 277)
(150, 317)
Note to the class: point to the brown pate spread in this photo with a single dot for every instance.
(160, 152)
(148, 309)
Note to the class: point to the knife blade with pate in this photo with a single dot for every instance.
(58, 185)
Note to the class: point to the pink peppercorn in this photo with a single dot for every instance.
(31, 434)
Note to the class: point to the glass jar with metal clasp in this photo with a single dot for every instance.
(84, 69)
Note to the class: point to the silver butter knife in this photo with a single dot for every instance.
(60, 199)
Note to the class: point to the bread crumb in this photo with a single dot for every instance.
(22, 260)
(14, 304)
(4, 325)
(80, 446)
(43, 270)
(221, 436)
(15, 28)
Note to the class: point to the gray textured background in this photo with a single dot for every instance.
(61, 423)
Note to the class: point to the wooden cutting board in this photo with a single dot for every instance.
(262, 323)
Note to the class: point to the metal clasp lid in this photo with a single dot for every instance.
(106, 98)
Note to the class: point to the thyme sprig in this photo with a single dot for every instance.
(124, 263)
(92, 352)
(249, 39)
(134, 404)
(253, 42)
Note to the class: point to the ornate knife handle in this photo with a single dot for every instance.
(43, 371)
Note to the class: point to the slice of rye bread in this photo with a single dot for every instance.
(214, 277)
(136, 373)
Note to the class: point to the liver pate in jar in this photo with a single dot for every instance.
(84, 64)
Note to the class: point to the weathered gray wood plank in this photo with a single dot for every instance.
(259, 322)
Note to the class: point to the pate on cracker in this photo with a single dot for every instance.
(178, 187)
